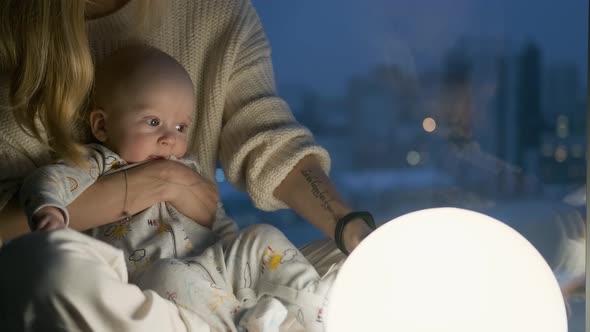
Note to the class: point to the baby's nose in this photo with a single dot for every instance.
(167, 139)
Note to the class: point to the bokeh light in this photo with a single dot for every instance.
(429, 124)
(413, 158)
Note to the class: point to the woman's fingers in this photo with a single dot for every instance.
(189, 192)
(200, 201)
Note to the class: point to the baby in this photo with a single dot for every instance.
(255, 280)
(140, 112)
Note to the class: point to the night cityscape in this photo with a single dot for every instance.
(482, 129)
(488, 123)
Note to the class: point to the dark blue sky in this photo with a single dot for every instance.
(322, 43)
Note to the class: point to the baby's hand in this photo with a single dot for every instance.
(48, 218)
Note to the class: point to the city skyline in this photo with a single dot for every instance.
(322, 45)
(489, 104)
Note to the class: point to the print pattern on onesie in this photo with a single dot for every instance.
(117, 230)
(93, 173)
(113, 162)
(139, 261)
(73, 183)
(173, 297)
(300, 317)
(272, 259)
(137, 255)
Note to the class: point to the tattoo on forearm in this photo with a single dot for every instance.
(317, 192)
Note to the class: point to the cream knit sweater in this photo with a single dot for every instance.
(239, 119)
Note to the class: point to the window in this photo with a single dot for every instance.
(474, 104)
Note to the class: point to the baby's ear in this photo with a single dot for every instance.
(98, 124)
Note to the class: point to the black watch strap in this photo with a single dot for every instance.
(366, 216)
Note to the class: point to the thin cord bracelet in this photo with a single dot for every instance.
(126, 214)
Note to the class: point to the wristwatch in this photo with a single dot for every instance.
(364, 215)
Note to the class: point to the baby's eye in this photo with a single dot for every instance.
(153, 122)
(181, 127)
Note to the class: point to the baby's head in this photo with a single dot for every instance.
(142, 105)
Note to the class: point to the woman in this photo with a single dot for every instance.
(47, 50)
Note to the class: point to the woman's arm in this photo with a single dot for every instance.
(309, 192)
(98, 204)
(101, 203)
(261, 142)
(147, 184)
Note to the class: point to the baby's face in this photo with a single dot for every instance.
(151, 121)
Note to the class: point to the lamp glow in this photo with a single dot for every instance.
(445, 270)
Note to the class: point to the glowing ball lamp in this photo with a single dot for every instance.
(445, 270)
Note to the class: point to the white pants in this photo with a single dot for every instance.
(67, 281)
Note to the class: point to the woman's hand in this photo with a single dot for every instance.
(192, 194)
(157, 181)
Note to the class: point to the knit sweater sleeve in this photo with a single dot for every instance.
(19, 153)
(261, 141)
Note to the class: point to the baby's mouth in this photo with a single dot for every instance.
(152, 157)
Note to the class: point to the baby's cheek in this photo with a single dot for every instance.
(136, 152)
(181, 149)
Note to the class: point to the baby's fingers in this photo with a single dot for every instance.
(53, 225)
(47, 223)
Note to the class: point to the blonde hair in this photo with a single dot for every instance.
(44, 45)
